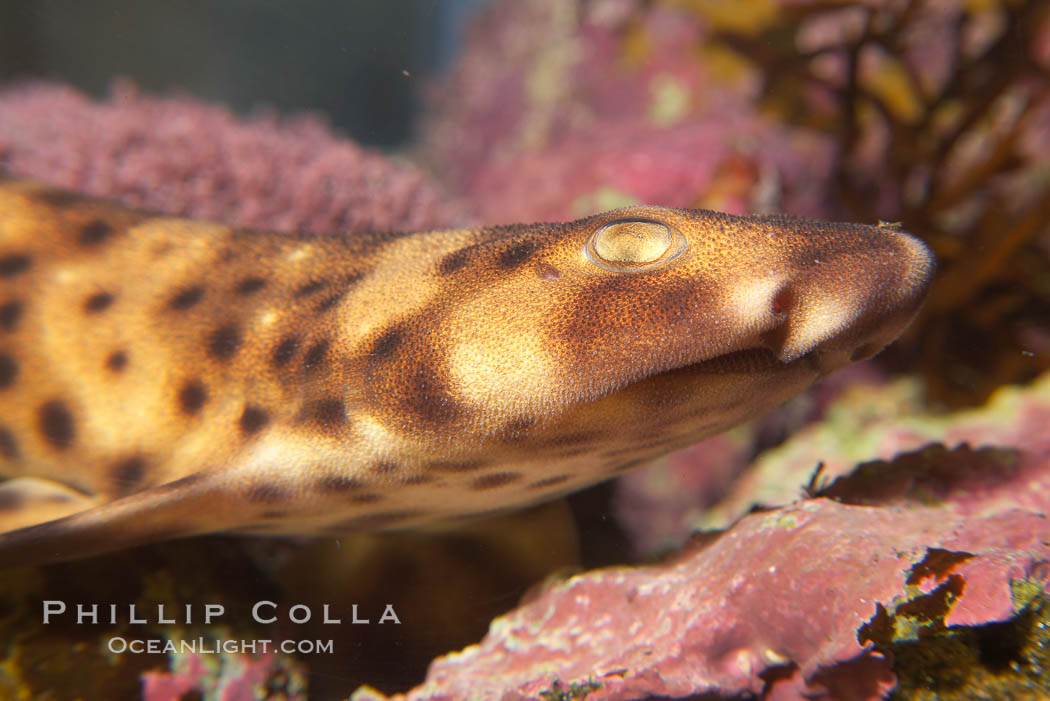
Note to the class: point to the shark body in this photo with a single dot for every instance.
(162, 377)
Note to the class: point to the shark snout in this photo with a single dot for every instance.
(843, 312)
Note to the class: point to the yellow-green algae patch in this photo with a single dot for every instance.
(1004, 660)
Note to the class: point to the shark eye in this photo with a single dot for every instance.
(634, 245)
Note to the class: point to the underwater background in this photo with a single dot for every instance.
(886, 534)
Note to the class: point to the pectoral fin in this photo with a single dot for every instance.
(80, 527)
(25, 501)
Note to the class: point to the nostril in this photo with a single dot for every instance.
(864, 351)
(783, 301)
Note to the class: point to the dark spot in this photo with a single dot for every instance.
(495, 479)
(329, 302)
(95, 232)
(192, 396)
(128, 474)
(426, 397)
(8, 444)
(249, 285)
(14, 264)
(315, 355)
(422, 478)
(454, 261)
(456, 466)
(187, 298)
(10, 313)
(266, 493)
(367, 498)
(253, 420)
(383, 467)
(284, 351)
(97, 302)
(515, 256)
(8, 370)
(117, 360)
(339, 483)
(380, 519)
(274, 514)
(224, 342)
(329, 413)
(310, 288)
(387, 343)
(56, 423)
(549, 482)
(10, 499)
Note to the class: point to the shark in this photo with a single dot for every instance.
(163, 377)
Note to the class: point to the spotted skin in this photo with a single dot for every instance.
(161, 377)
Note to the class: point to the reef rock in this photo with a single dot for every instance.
(813, 598)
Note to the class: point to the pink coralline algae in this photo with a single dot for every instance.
(180, 156)
(660, 504)
(804, 600)
(558, 110)
(233, 677)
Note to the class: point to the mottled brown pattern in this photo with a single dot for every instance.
(14, 264)
(253, 420)
(187, 298)
(496, 479)
(266, 493)
(284, 351)
(340, 483)
(328, 414)
(10, 313)
(314, 356)
(250, 285)
(95, 232)
(192, 396)
(98, 302)
(207, 375)
(117, 360)
(549, 482)
(224, 341)
(517, 254)
(386, 344)
(128, 474)
(310, 288)
(8, 371)
(329, 302)
(8, 444)
(56, 424)
(454, 261)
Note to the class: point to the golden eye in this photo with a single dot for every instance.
(634, 245)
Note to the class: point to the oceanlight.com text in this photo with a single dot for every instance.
(211, 646)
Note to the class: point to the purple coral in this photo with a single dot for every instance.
(180, 156)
